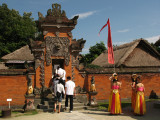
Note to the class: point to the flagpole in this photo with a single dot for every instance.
(114, 61)
(114, 68)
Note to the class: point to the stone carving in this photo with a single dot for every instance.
(57, 46)
(55, 11)
(93, 88)
(45, 32)
(70, 34)
(57, 34)
(56, 15)
(48, 57)
(29, 103)
(37, 91)
(49, 12)
(82, 98)
(75, 19)
(80, 90)
(40, 15)
(30, 88)
(77, 45)
(93, 102)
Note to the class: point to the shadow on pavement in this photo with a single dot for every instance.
(151, 114)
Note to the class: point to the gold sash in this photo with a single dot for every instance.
(115, 91)
(140, 93)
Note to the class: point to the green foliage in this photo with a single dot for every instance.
(15, 30)
(156, 47)
(94, 52)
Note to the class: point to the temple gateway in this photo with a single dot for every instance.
(33, 83)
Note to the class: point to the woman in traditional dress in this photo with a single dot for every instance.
(115, 100)
(140, 106)
(133, 98)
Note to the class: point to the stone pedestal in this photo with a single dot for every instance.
(92, 99)
(29, 102)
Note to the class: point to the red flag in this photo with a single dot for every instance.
(110, 48)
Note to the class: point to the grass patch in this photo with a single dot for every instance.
(104, 106)
(150, 100)
(31, 112)
(20, 113)
(0, 113)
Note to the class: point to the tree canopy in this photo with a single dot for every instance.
(15, 30)
(94, 52)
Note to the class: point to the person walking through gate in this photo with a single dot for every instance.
(70, 91)
(58, 95)
(62, 74)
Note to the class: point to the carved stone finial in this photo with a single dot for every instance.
(56, 10)
(40, 15)
(49, 12)
(63, 13)
(75, 19)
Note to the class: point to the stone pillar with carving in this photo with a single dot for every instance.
(29, 97)
(92, 93)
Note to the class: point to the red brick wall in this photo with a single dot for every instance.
(79, 79)
(14, 87)
(151, 82)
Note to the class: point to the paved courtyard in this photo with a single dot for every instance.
(93, 114)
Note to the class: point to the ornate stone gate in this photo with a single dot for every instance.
(58, 44)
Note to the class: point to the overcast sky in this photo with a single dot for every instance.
(130, 19)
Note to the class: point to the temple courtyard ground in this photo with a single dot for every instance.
(93, 114)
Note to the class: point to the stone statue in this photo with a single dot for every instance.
(30, 88)
(93, 88)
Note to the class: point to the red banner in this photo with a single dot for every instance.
(110, 47)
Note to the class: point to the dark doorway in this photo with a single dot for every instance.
(56, 63)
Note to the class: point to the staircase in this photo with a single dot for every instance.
(48, 105)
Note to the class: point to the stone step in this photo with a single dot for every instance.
(37, 102)
(51, 102)
(62, 109)
(48, 105)
(40, 106)
(63, 105)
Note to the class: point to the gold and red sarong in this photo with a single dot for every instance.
(140, 106)
(115, 102)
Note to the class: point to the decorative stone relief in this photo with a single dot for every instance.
(30, 88)
(57, 34)
(70, 34)
(57, 46)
